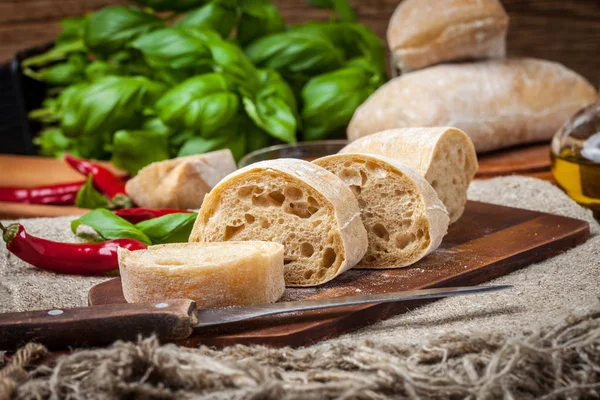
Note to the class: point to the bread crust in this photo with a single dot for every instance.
(427, 32)
(254, 275)
(353, 236)
(434, 210)
(497, 103)
(424, 150)
(180, 182)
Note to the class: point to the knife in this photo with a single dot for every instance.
(172, 320)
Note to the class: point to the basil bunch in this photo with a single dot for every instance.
(133, 86)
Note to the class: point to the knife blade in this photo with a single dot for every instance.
(172, 320)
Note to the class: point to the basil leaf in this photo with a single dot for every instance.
(331, 99)
(171, 5)
(274, 116)
(173, 48)
(274, 107)
(259, 18)
(231, 61)
(352, 39)
(133, 150)
(155, 124)
(109, 226)
(52, 142)
(170, 228)
(108, 104)
(256, 138)
(62, 74)
(110, 29)
(341, 7)
(98, 69)
(232, 137)
(204, 103)
(214, 15)
(69, 41)
(92, 147)
(89, 197)
(293, 53)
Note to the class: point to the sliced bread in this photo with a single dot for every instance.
(404, 218)
(211, 274)
(293, 202)
(180, 182)
(444, 156)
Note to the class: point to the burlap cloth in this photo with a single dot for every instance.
(540, 339)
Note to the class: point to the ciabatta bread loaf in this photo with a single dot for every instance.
(211, 274)
(292, 202)
(404, 218)
(497, 103)
(180, 182)
(427, 32)
(445, 157)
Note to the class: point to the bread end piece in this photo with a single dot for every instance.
(403, 216)
(444, 156)
(180, 182)
(292, 202)
(422, 33)
(211, 274)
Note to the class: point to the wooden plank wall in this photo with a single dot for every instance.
(567, 31)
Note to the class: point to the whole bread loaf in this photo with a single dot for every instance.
(293, 202)
(404, 218)
(445, 157)
(497, 103)
(180, 182)
(211, 274)
(427, 32)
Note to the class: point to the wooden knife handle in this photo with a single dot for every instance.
(98, 325)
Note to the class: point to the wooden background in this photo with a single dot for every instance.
(567, 31)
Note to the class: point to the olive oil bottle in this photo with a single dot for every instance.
(579, 177)
(575, 156)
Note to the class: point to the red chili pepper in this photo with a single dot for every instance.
(66, 258)
(63, 193)
(104, 180)
(135, 215)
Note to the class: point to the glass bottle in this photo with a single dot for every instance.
(575, 155)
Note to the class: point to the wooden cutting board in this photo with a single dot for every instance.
(523, 160)
(487, 242)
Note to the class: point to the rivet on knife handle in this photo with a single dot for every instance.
(99, 325)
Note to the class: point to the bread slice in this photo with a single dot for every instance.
(404, 218)
(211, 274)
(298, 204)
(180, 182)
(427, 32)
(444, 156)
